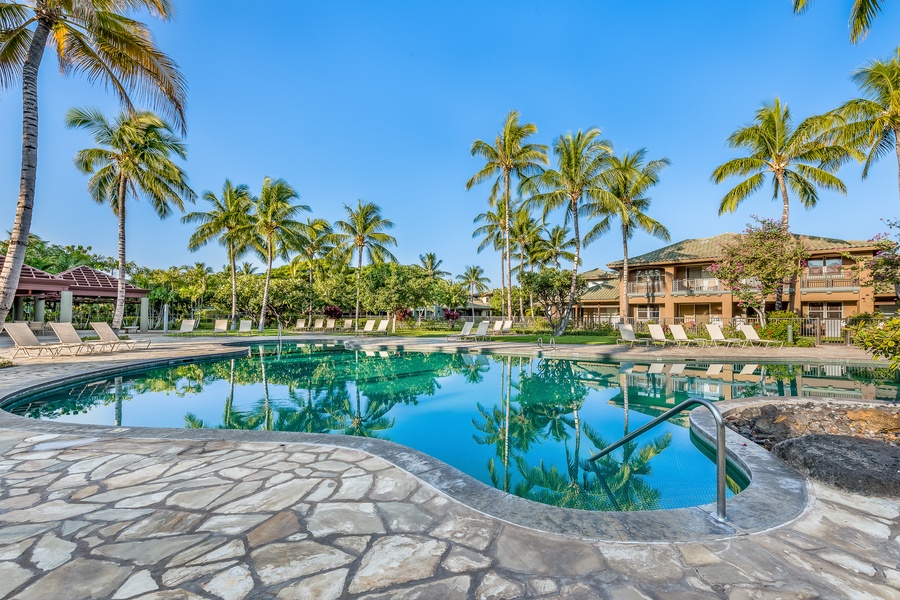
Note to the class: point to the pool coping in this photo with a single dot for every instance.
(776, 495)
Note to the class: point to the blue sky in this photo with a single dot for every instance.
(382, 100)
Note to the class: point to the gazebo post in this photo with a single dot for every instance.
(145, 314)
(19, 308)
(65, 307)
(39, 305)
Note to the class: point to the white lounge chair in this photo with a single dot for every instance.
(627, 332)
(25, 341)
(107, 334)
(754, 339)
(66, 334)
(245, 326)
(507, 327)
(320, 324)
(369, 327)
(348, 325)
(681, 337)
(220, 326)
(466, 330)
(717, 337)
(480, 332)
(187, 327)
(330, 324)
(382, 327)
(498, 327)
(301, 325)
(658, 336)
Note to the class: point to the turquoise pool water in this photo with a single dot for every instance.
(523, 425)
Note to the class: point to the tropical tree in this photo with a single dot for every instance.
(525, 234)
(509, 156)
(97, 37)
(363, 233)
(273, 229)
(492, 232)
(134, 158)
(583, 159)
(474, 277)
(223, 222)
(316, 241)
(432, 265)
(626, 184)
(556, 244)
(800, 158)
(862, 16)
(873, 121)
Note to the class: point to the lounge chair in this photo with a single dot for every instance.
(220, 326)
(26, 342)
(369, 327)
(382, 327)
(656, 368)
(748, 369)
(245, 326)
(481, 332)
(348, 325)
(681, 337)
(187, 327)
(320, 324)
(754, 339)
(658, 336)
(330, 324)
(627, 332)
(66, 334)
(498, 327)
(301, 325)
(677, 369)
(466, 330)
(107, 334)
(507, 327)
(717, 337)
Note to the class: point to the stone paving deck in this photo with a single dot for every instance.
(105, 515)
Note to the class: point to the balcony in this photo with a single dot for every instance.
(697, 286)
(829, 281)
(650, 287)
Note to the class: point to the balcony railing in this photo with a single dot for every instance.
(652, 286)
(831, 280)
(707, 284)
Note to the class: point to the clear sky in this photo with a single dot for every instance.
(382, 100)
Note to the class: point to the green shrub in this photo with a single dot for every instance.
(882, 339)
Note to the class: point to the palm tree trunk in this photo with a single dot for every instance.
(506, 243)
(18, 240)
(623, 287)
(502, 284)
(233, 286)
(521, 299)
(531, 294)
(779, 291)
(565, 318)
(265, 301)
(120, 293)
(310, 287)
(358, 282)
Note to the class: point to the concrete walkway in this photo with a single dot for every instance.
(100, 514)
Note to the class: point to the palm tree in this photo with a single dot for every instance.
(316, 241)
(363, 233)
(492, 231)
(556, 245)
(583, 159)
(524, 233)
(96, 37)
(134, 158)
(432, 265)
(247, 268)
(273, 228)
(798, 158)
(873, 121)
(474, 277)
(510, 155)
(224, 221)
(626, 184)
(862, 15)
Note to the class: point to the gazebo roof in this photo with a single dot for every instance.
(87, 282)
(34, 282)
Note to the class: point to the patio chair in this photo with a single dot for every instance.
(627, 332)
(754, 339)
(25, 341)
(466, 330)
(369, 327)
(498, 327)
(348, 325)
(330, 324)
(481, 332)
(245, 326)
(507, 327)
(107, 334)
(220, 326)
(382, 327)
(187, 327)
(658, 336)
(301, 325)
(320, 324)
(681, 337)
(717, 337)
(66, 334)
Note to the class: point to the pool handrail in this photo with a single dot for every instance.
(720, 444)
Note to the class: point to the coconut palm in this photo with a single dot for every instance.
(134, 158)
(583, 159)
(492, 232)
(626, 184)
(509, 156)
(432, 265)
(273, 229)
(556, 244)
(363, 233)
(316, 241)
(862, 16)
(873, 121)
(524, 233)
(474, 277)
(223, 222)
(799, 158)
(100, 38)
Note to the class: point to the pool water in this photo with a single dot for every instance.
(524, 425)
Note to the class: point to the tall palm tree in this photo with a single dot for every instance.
(432, 265)
(800, 158)
(556, 244)
(492, 232)
(525, 234)
(134, 159)
(364, 233)
(862, 16)
(274, 229)
(582, 158)
(474, 277)
(626, 184)
(316, 241)
(873, 121)
(96, 37)
(509, 156)
(227, 217)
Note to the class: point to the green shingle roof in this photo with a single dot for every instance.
(709, 248)
(608, 289)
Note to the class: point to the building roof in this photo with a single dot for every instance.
(711, 247)
(85, 281)
(606, 290)
(598, 274)
(33, 281)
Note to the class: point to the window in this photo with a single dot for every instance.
(824, 266)
(825, 310)
(694, 312)
(646, 312)
(697, 273)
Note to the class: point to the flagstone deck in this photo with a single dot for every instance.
(95, 513)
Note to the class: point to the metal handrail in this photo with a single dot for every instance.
(720, 444)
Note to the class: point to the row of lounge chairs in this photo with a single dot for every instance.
(347, 326)
(69, 340)
(680, 338)
(481, 332)
(189, 326)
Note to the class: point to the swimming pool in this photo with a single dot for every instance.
(523, 425)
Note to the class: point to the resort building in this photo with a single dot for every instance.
(674, 283)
